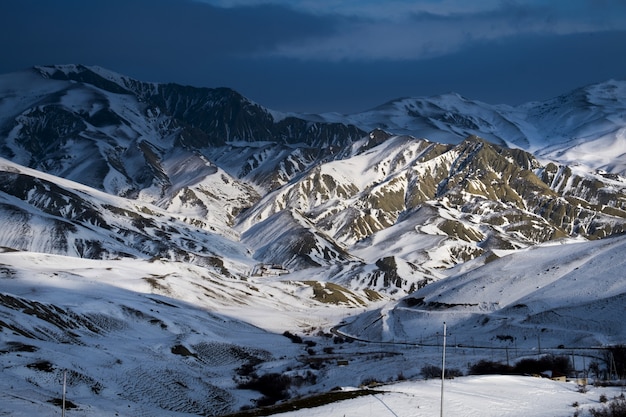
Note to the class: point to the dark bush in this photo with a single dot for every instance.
(556, 364)
(431, 371)
(321, 333)
(505, 338)
(308, 378)
(316, 365)
(247, 369)
(293, 337)
(59, 402)
(273, 386)
(41, 366)
(616, 408)
(182, 350)
(485, 367)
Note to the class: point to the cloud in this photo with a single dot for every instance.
(170, 36)
(415, 30)
(167, 33)
(375, 9)
(329, 55)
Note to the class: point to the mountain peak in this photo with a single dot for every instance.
(96, 76)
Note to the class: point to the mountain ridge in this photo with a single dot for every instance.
(153, 144)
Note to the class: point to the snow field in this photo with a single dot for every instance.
(476, 396)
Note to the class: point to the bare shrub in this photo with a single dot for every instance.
(615, 408)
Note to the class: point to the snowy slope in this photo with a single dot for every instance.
(584, 127)
(48, 214)
(565, 294)
(126, 348)
(483, 396)
(162, 338)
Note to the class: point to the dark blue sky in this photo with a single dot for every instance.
(329, 55)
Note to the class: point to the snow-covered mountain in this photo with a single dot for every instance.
(581, 127)
(178, 231)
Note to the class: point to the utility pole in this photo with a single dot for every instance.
(443, 367)
(63, 401)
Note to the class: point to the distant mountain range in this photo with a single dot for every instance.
(181, 164)
(213, 200)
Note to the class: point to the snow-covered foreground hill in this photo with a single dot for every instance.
(136, 338)
(144, 338)
(483, 396)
